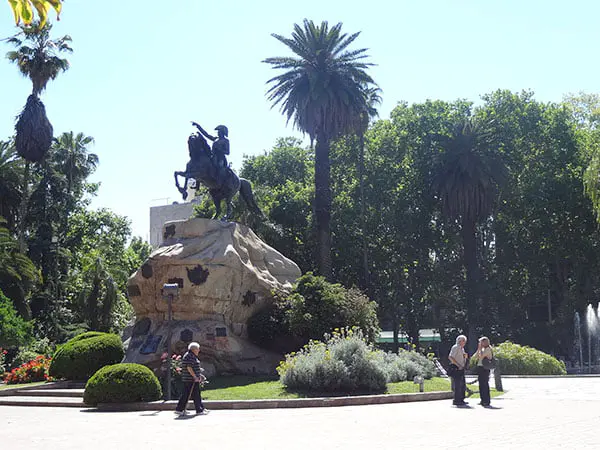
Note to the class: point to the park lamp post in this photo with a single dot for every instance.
(169, 292)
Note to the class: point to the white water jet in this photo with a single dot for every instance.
(579, 342)
(591, 319)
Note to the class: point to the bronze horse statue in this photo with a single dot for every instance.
(202, 168)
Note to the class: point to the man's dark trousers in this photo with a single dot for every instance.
(194, 389)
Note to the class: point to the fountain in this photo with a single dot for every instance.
(578, 341)
(591, 319)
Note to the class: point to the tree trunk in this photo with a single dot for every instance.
(472, 270)
(363, 216)
(23, 209)
(323, 205)
(395, 332)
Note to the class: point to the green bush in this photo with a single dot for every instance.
(122, 383)
(29, 352)
(514, 359)
(346, 363)
(314, 307)
(83, 355)
(14, 330)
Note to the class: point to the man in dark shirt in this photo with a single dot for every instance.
(192, 376)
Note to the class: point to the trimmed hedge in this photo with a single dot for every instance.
(122, 383)
(83, 355)
(515, 359)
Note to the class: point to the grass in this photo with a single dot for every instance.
(408, 387)
(493, 393)
(17, 386)
(252, 388)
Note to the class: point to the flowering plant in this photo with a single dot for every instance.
(34, 370)
(174, 365)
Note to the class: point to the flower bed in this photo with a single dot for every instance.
(34, 370)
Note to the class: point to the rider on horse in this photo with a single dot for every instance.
(220, 148)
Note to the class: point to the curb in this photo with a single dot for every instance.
(583, 375)
(287, 403)
(54, 403)
(50, 385)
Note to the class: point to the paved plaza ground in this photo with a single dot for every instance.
(538, 413)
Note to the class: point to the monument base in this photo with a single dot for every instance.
(222, 350)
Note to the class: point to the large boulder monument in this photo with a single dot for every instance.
(225, 274)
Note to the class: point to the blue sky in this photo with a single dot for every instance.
(139, 75)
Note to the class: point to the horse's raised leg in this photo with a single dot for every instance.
(182, 190)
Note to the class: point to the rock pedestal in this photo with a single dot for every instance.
(225, 274)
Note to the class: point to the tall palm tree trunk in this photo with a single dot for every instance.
(323, 205)
(23, 209)
(472, 270)
(363, 216)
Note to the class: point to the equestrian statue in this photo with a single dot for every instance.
(209, 167)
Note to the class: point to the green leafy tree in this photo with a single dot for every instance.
(98, 298)
(17, 273)
(282, 178)
(14, 330)
(373, 100)
(137, 252)
(544, 258)
(322, 90)
(11, 175)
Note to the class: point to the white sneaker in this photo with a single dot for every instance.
(180, 413)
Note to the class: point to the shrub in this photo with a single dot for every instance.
(24, 355)
(314, 307)
(29, 352)
(346, 363)
(34, 370)
(406, 365)
(514, 359)
(122, 383)
(174, 365)
(83, 355)
(14, 330)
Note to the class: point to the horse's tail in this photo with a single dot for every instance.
(248, 196)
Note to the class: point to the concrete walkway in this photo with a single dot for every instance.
(535, 414)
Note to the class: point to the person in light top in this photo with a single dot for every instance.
(484, 351)
(458, 357)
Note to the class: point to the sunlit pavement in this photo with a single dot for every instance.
(534, 414)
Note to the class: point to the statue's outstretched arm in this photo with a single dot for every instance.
(212, 138)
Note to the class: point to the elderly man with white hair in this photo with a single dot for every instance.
(458, 361)
(192, 376)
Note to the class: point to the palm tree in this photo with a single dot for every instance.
(372, 100)
(17, 272)
(467, 184)
(11, 174)
(323, 91)
(37, 59)
(23, 10)
(74, 160)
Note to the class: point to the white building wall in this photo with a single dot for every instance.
(161, 214)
